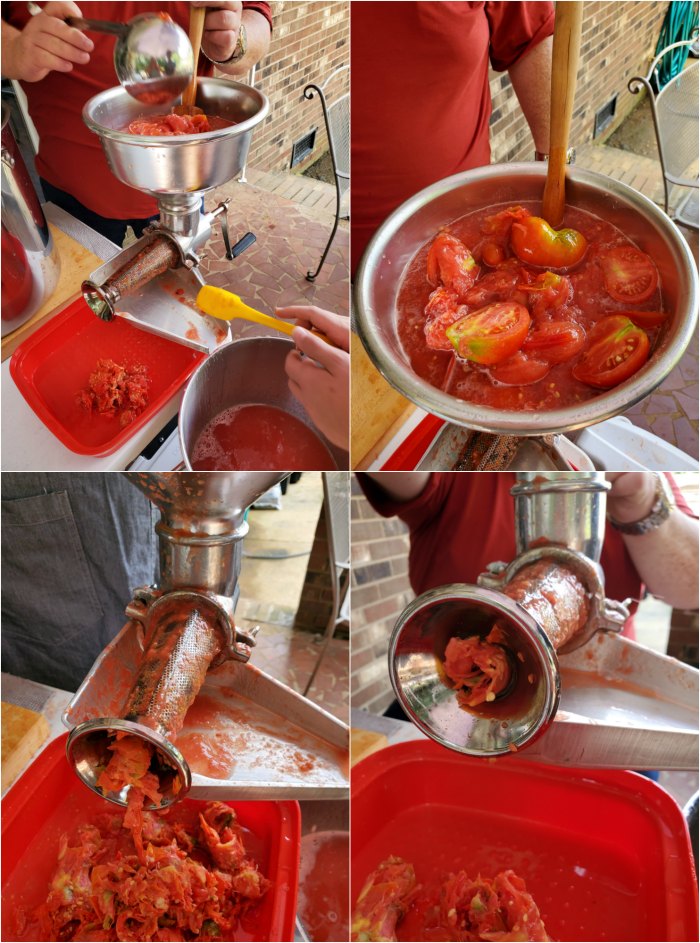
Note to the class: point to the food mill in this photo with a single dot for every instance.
(576, 691)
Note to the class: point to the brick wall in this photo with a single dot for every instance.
(380, 590)
(309, 41)
(617, 42)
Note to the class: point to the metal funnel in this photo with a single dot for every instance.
(417, 651)
(186, 163)
(187, 624)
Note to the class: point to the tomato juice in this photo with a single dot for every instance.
(257, 436)
(612, 277)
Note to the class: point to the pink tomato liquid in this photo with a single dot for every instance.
(259, 437)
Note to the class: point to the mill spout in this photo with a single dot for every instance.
(186, 627)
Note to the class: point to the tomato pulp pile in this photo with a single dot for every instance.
(114, 389)
(502, 310)
(181, 876)
(461, 908)
(172, 125)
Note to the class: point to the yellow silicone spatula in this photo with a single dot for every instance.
(225, 305)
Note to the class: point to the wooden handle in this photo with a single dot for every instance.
(565, 56)
(197, 15)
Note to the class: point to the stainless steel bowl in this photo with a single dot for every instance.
(185, 163)
(415, 223)
(250, 370)
(417, 649)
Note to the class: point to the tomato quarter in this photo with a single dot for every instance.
(616, 350)
(629, 275)
(534, 241)
(646, 319)
(492, 334)
(555, 341)
(519, 370)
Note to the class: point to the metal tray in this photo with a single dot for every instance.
(622, 706)
(263, 769)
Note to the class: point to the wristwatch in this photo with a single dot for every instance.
(570, 155)
(241, 48)
(660, 511)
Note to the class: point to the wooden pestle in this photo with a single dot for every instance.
(565, 58)
(189, 96)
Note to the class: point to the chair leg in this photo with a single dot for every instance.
(311, 276)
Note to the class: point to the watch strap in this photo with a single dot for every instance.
(240, 49)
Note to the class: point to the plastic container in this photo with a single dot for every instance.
(49, 799)
(605, 854)
(54, 364)
(323, 886)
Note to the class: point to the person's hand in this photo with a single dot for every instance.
(221, 27)
(631, 496)
(47, 44)
(320, 380)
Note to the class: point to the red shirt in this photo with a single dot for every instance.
(462, 522)
(420, 94)
(71, 157)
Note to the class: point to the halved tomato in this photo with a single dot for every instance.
(630, 275)
(519, 370)
(451, 264)
(616, 350)
(646, 319)
(492, 334)
(555, 341)
(534, 241)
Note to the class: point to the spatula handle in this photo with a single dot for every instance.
(565, 58)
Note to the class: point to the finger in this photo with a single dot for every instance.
(46, 62)
(62, 50)
(335, 326)
(332, 358)
(61, 9)
(295, 366)
(222, 20)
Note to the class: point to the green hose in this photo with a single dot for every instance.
(680, 22)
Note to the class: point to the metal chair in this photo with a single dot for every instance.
(337, 119)
(336, 499)
(675, 113)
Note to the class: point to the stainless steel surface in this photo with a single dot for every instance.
(447, 452)
(100, 696)
(623, 706)
(565, 508)
(414, 223)
(30, 262)
(416, 652)
(87, 750)
(167, 305)
(185, 163)
(250, 370)
(603, 614)
(152, 55)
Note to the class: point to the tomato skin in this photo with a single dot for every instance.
(548, 291)
(492, 253)
(555, 341)
(534, 241)
(519, 370)
(442, 310)
(616, 350)
(629, 275)
(491, 334)
(499, 224)
(646, 319)
(451, 264)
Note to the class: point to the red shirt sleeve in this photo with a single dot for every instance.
(416, 512)
(681, 503)
(516, 28)
(262, 8)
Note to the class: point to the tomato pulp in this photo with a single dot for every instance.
(258, 437)
(612, 277)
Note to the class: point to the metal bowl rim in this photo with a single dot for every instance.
(153, 140)
(485, 418)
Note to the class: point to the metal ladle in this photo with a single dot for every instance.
(152, 57)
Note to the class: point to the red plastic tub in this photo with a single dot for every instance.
(49, 799)
(54, 364)
(605, 854)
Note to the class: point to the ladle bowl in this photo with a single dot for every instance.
(184, 163)
(415, 223)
